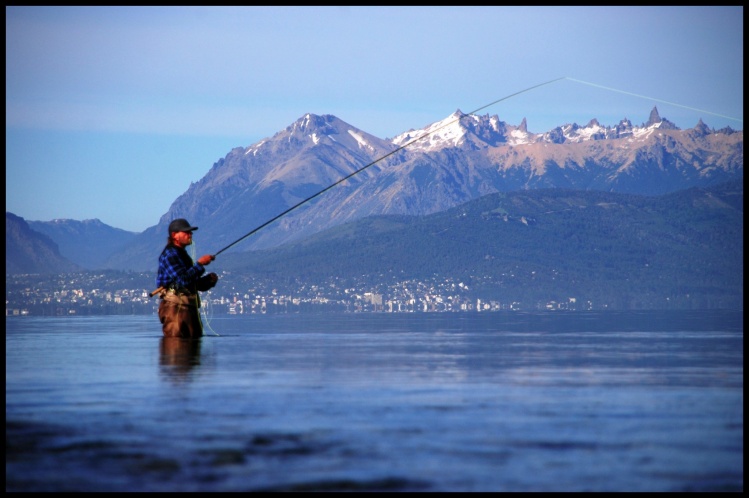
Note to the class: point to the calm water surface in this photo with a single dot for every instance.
(590, 401)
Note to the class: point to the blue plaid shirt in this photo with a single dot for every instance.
(176, 269)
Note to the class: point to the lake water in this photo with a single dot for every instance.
(507, 401)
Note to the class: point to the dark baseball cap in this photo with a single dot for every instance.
(181, 225)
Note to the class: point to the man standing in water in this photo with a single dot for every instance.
(179, 280)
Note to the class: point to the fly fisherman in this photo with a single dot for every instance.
(178, 282)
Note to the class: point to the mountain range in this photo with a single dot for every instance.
(29, 251)
(417, 173)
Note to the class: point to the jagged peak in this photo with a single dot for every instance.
(654, 117)
(523, 126)
(655, 120)
(701, 128)
(726, 130)
(624, 124)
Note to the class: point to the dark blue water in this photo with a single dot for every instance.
(590, 401)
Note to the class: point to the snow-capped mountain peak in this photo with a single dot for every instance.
(445, 133)
(467, 131)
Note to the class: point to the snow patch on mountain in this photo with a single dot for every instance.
(360, 139)
(519, 137)
(254, 149)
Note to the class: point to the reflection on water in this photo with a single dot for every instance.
(177, 356)
(498, 402)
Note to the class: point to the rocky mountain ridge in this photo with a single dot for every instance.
(443, 165)
(29, 251)
(87, 243)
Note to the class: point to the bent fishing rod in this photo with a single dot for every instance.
(300, 203)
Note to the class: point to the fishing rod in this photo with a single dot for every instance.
(376, 161)
(287, 211)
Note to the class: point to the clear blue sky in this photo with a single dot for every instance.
(111, 112)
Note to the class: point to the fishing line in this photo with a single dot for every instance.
(378, 160)
(651, 98)
(205, 304)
